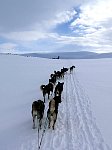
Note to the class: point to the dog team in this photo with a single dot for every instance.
(38, 106)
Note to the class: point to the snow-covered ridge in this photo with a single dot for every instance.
(71, 55)
(67, 55)
(76, 128)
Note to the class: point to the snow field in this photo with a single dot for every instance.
(76, 128)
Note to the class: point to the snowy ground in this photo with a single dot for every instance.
(87, 93)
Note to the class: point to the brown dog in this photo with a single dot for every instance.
(53, 111)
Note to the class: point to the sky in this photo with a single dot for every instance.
(28, 26)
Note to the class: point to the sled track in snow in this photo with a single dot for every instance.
(68, 125)
(88, 135)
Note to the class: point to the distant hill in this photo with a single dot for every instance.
(70, 55)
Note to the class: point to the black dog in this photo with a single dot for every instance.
(59, 88)
(53, 79)
(38, 111)
(46, 89)
(71, 68)
(63, 71)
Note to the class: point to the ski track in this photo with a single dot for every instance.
(89, 132)
(75, 127)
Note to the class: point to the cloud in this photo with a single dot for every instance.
(43, 32)
(7, 47)
(31, 25)
(25, 35)
(94, 15)
(62, 17)
(27, 20)
(94, 23)
(27, 14)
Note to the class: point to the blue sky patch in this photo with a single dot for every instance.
(64, 28)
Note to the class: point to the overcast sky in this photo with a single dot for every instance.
(55, 25)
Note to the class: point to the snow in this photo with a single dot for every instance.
(84, 120)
